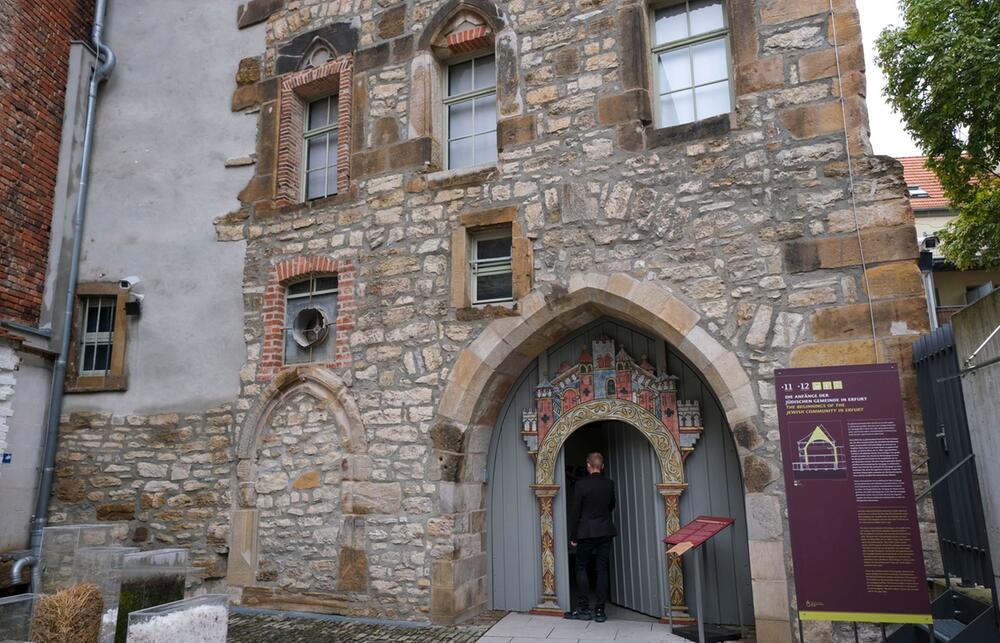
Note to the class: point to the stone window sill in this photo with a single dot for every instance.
(465, 176)
(687, 132)
(488, 311)
(107, 384)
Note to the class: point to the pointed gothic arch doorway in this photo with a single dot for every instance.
(522, 540)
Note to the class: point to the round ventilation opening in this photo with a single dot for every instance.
(311, 326)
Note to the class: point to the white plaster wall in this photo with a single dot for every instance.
(24, 443)
(8, 379)
(164, 131)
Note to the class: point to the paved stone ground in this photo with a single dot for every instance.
(276, 628)
(524, 628)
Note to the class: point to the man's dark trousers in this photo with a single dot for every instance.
(592, 528)
(587, 548)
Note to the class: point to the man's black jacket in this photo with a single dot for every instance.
(593, 501)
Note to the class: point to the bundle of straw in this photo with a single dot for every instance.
(72, 615)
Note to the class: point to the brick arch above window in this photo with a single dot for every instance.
(493, 17)
(273, 310)
(297, 90)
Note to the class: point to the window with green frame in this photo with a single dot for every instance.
(691, 56)
(471, 112)
(492, 266)
(321, 136)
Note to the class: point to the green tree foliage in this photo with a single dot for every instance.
(943, 71)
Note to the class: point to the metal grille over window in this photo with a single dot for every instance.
(492, 270)
(471, 112)
(97, 338)
(321, 148)
(691, 47)
(310, 320)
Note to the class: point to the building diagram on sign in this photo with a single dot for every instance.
(820, 455)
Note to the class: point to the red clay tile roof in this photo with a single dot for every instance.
(916, 173)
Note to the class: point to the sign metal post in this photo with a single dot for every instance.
(692, 536)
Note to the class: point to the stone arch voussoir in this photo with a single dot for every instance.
(491, 363)
(322, 385)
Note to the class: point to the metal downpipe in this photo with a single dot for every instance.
(105, 65)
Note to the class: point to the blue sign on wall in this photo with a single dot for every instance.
(7, 457)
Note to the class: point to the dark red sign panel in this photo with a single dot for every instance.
(851, 509)
(698, 530)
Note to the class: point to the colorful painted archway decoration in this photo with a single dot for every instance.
(605, 385)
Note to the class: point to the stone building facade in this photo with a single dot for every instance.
(354, 482)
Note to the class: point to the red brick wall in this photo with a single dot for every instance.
(289, 270)
(34, 49)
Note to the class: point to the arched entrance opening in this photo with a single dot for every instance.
(636, 588)
(704, 450)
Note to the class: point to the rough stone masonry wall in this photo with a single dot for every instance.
(167, 476)
(747, 219)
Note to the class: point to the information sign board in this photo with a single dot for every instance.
(855, 541)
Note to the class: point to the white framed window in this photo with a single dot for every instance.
(310, 313)
(492, 274)
(691, 56)
(471, 112)
(97, 336)
(321, 134)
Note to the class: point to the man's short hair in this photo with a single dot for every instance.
(596, 460)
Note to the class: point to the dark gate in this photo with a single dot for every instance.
(958, 505)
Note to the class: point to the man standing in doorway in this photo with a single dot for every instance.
(590, 531)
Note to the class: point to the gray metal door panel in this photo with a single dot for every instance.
(559, 533)
(513, 529)
(715, 487)
(632, 466)
(713, 474)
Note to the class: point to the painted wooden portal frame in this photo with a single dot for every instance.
(605, 385)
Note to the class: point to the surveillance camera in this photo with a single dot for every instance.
(137, 297)
(128, 282)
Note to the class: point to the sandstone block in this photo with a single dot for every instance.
(895, 317)
(367, 162)
(269, 483)
(308, 480)
(371, 497)
(884, 214)
(767, 559)
(881, 245)
(900, 279)
(70, 489)
(778, 11)
(392, 22)
(760, 75)
(116, 511)
(756, 473)
(353, 570)
(517, 130)
(633, 105)
(416, 152)
(248, 71)
(833, 354)
(257, 11)
(763, 517)
(823, 63)
(567, 61)
(810, 121)
(386, 131)
(105, 481)
(770, 599)
(150, 470)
